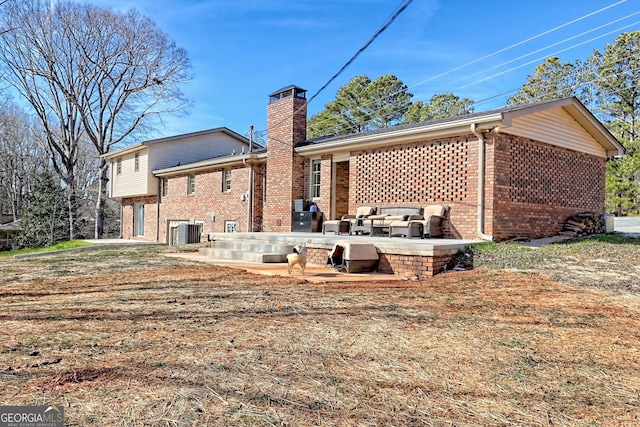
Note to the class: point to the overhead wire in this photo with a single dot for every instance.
(545, 48)
(551, 54)
(401, 8)
(519, 43)
(537, 59)
(405, 4)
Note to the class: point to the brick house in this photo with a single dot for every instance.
(515, 171)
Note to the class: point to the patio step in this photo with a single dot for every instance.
(249, 251)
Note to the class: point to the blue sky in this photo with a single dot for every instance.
(242, 50)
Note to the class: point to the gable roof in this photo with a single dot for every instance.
(135, 147)
(500, 118)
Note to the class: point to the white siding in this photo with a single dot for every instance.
(165, 154)
(193, 149)
(556, 127)
(131, 182)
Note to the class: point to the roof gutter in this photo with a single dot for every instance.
(481, 165)
(397, 136)
(227, 161)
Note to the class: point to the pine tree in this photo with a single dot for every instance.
(44, 215)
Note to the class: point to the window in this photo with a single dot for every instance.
(226, 182)
(165, 187)
(230, 227)
(191, 186)
(315, 178)
(138, 219)
(119, 166)
(136, 166)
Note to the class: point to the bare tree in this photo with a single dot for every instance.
(91, 72)
(22, 158)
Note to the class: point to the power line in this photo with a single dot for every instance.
(404, 5)
(551, 54)
(531, 53)
(518, 44)
(383, 27)
(547, 47)
(386, 25)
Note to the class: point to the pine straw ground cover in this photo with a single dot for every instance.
(131, 338)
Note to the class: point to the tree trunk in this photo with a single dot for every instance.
(101, 199)
(72, 200)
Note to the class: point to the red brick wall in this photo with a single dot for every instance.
(286, 124)
(259, 179)
(402, 265)
(342, 189)
(208, 199)
(150, 218)
(326, 185)
(443, 171)
(539, 185)
(412, 265)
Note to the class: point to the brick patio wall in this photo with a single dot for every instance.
(402, 265)
(442, 171)
(530, 187)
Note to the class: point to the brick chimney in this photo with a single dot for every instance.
(286, 126)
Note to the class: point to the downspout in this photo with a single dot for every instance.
(121, 216)
(250, 198)
(158, 210)
(481, 165)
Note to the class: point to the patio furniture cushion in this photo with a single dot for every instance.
(364, 211)
(437, 210)
(337, 226)
(433, 218)
(430, 223)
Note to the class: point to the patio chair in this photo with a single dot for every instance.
(427, 227)
(344, 224)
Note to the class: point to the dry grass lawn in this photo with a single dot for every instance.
(132, 338)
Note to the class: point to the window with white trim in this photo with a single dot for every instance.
(191, 184)
(165, 187)
(230, 227)
(315, 178)
(226, 181)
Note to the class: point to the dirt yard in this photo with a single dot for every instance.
(133, 338)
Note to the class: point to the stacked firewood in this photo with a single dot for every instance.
(583, 224)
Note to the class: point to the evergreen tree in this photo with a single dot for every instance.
(44, 215)
(617, 80)
(362, 105)
(551, 80)
(440, 106)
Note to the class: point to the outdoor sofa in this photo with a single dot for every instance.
(379, 224)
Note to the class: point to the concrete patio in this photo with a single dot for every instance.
(400, 256)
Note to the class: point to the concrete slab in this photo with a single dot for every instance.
(395, 245)
(313, 273)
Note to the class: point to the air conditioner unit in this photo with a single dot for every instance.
(188, 233)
